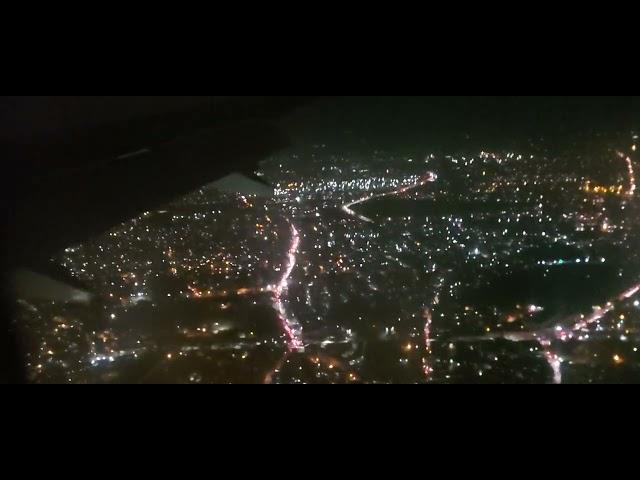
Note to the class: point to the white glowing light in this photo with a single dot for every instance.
(291, 327)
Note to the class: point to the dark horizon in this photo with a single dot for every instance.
(394, 121)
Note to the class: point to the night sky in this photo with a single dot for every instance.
(397, 121)
(386, 120)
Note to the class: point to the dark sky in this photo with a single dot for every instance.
(394, 119)
(397, 121)
(384, 121)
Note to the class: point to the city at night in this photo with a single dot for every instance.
(323, 240)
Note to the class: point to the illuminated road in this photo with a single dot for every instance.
(427, 316)
(598, 314)
(632, 176)
(563, 331)
(291, 328)
(555, 362)
(348, 208)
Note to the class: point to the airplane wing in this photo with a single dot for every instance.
(66, 207)
(77, 166)
(86, 181)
